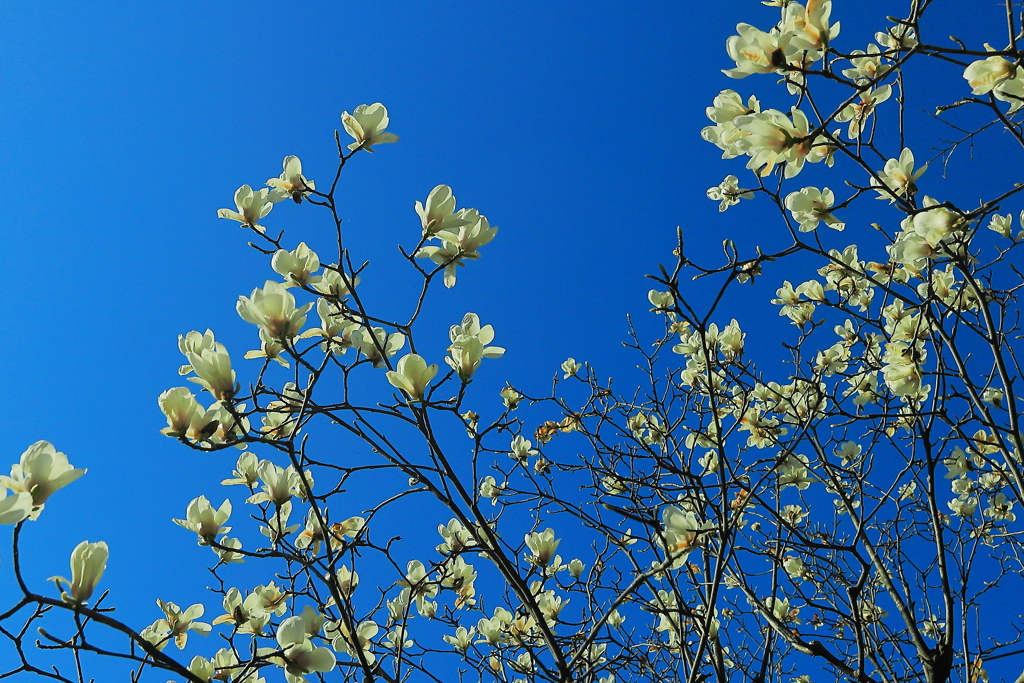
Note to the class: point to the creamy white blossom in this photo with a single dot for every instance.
(366, 125)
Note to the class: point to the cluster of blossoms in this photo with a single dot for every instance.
(42, 471)
(707, 353)
(888, 357)
(768, 137)
(461, 232)
(975, 477)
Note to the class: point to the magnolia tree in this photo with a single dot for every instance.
(847, 512)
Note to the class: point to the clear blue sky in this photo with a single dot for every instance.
(574, 126)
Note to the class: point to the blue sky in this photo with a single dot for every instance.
(573, 126)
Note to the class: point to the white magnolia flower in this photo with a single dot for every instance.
(1002, 225)
(898, 37)
(252, 206)
(412, 375)
(867, 66)
(366, 125)
(809, 26)
(179, 406)
(334, 284)
(212, 365)
(277, 526)
(41, 471)
(439, 212)
(489, 488)
(681, 535)
(356, 645)
(984, 75)
(897, 178)
(510, 398)
(228, 553)
(1011, 90)
(177, 623)
(522, 449)
(201, 518)
(727, 106)
(543, 545)
(296, 266)
(858, 113)
(379, 345)
(774, 138)
(88, 562)
(462, 639)
(292, 183)
(280, 484)
(273, 310)
(757, 52)
(570, 367)
(459, 245)
(810, 206)
(468, 348)
(728, 193)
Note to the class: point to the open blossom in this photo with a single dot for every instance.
(280, 484)
(858, 113)
(757, 52)
(357, 645)
(335, 329)
(88, 562)
(193, 343)
(681, 535)
(176, 624)
(468, 348)
(898, 37)
(543, 545)
(810, 206)
(334, 283)
(774, 138)
(726, 106)
(984, 75)
(897, 178)
(252, 206)
(412, 375)
(366, 125)
(903, 371)
(522, 449)
(728, 193)
(379, 345)
(227, 554)
(296, 266)
(489, 488)
(201, 518)
(273, 310)
(1002, 225)
(809, 26)
(510, 398)
(220, 424)
(291, 182)
(462, 639)
(439, 212)
(459, 244)
(277, 526)
(41, 471)
(301, 656)
(866, 66)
